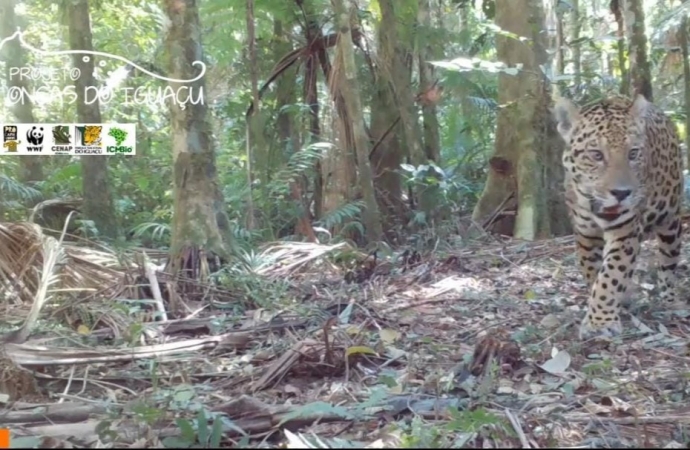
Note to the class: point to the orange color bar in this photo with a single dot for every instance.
(4, 438)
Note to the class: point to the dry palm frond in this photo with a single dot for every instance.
(20, 252)
(22, 255)
(53, 256)
(14, 381)
(284, 258)
(56, 203)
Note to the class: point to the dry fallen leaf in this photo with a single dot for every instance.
(291, 389)
(550, 321)
(641, 326)
(389, 336)
(558, 364)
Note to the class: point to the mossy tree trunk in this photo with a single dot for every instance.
(400, 18)
(349, 88)
(199, 218)
(526, 162)
(98, 203)
(386, 130)
(617, 11)
(639, 70)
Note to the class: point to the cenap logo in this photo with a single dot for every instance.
(9, 135)
(61, 135)
(89, 135)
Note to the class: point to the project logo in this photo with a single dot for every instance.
(89, 135)
(61, 135)
(89, 140)
(34, 136)
(120, 136)
(10, 141)
(45, 90)
(62, 140)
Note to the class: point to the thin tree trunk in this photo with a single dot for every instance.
(432, 138)
(285, 95)
(684, 42)
(254, 128)
(577, 55)
(616, 10)
(560, 38)
(98, 203)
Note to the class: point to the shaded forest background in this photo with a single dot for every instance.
(400, 121)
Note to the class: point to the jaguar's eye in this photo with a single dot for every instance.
(634, 153)
(596, 155)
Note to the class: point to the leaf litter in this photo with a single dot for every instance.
(473, 348)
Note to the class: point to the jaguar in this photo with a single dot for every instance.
(623, 182)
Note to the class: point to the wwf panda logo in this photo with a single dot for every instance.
(35, 136)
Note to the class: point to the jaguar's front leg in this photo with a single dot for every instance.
(611, 284)
(589, 251)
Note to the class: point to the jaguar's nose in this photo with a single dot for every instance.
(620, 194)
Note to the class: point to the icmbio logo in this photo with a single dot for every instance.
(120, 136)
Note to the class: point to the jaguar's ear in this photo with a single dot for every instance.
(639, 107)
(567, 114)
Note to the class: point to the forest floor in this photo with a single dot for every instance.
(476, 348)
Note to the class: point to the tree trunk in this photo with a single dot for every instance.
(286, 130)
(350, 92)
(430, 92)
(98, 203)
(684, 41)
(256, 147)
(386, 129)
(577, 55)
(400, 73)
(30, 167)
(640, 71)
(560, 42)
(401, 16)
(526, 161)
(199, 218)
(616, 10)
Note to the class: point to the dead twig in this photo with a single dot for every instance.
(518, 428)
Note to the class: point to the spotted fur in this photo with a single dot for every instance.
(623, 182)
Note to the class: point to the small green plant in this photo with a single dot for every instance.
(196, 433)
(421, 435)
(118, 134)
(597, 367)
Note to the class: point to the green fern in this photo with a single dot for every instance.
(301, 163)
(341, 215)
(14, 190)
(158, 231)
